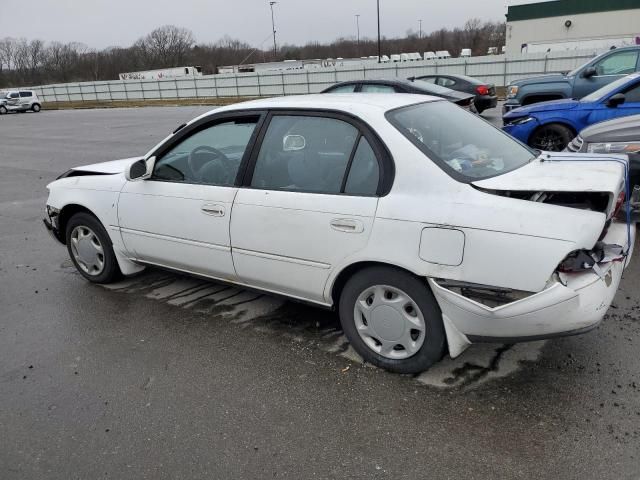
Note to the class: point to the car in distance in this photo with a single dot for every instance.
(485, 93)
(591, 76)
(552, 125)
(418, 87)
(618, 136)
(19, 101)
(424, 226)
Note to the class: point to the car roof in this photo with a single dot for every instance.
(360, 104)
(466, 78)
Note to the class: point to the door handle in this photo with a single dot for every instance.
(348, 225)
(213, 210)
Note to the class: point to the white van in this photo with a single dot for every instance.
(429, 55)
(465, 53)
(443, 54)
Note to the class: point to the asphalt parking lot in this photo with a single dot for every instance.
(165, 376)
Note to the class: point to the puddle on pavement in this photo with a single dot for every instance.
(264, 313)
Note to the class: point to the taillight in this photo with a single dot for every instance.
(482, 90)
(619, 203)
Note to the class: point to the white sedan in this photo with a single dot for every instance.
(427, 228)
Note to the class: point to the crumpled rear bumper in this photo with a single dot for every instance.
(572, 304)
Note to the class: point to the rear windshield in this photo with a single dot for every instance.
(465, 146)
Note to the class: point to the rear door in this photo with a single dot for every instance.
(25, 99)
(308, 203)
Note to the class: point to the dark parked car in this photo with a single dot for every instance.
(485, 93)
(620, 135)
(587, 78)
(404, 86)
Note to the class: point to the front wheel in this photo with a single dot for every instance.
(392, 320)
(551, 138)
(3, 110)
(90, 249)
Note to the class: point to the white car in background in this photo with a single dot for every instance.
(423, 225)
(19, 101)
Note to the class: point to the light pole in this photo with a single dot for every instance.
(358, 30)
(420, 29)
(379, 46)
(273, 27)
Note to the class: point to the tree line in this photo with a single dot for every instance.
(35, 62)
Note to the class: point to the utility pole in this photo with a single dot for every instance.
(358, 30)
(420, 29)
(273, 27)
(379, 45)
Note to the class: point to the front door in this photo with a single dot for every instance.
(630, 106)
(180, 216)
(608, 69)
(308, 204)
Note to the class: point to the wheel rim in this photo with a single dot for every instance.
(548, 140)
(389, 322)
(36, 108)
(87, 250)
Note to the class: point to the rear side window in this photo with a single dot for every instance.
(26, 94)
(446, 82)
(367, 88)
(364, 172)
(305, 153)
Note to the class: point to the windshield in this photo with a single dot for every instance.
(465, 146)
(607, 89)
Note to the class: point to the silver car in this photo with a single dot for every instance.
(19, 101)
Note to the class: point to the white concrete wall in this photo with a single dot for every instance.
(589, 26)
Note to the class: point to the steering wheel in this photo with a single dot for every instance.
(197, 165)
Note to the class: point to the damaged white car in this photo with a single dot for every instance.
(427, 228)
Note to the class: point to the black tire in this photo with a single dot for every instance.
(553, 137)
(110, 271)
(434, 342)
(3, 110)
(36, 107)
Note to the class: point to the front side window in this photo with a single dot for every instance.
(369, 88)
(14, 95)
(632, 95)
(211, 156)
(622, 63)
(463, 145)
(344, 89)
(307, 153)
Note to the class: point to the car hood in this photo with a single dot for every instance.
(111, 167)
(624, 129)
(561, 172)
(540, 79)
(550, 106)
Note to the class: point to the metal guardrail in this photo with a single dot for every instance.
(497, 69)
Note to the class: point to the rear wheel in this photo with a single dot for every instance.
(90, 249)
(392, 320)
(551, 138)
(36, 107)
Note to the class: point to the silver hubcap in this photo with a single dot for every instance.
(87, 250)
(389, 322)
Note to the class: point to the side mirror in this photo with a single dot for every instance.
(589, 72)
(140, 169)
(615, 100)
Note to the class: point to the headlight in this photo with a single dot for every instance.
(614, 147)
(519, 121)
(512, 91)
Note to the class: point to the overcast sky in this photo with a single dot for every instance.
(102, 23)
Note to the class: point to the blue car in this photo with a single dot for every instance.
(550, 126)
